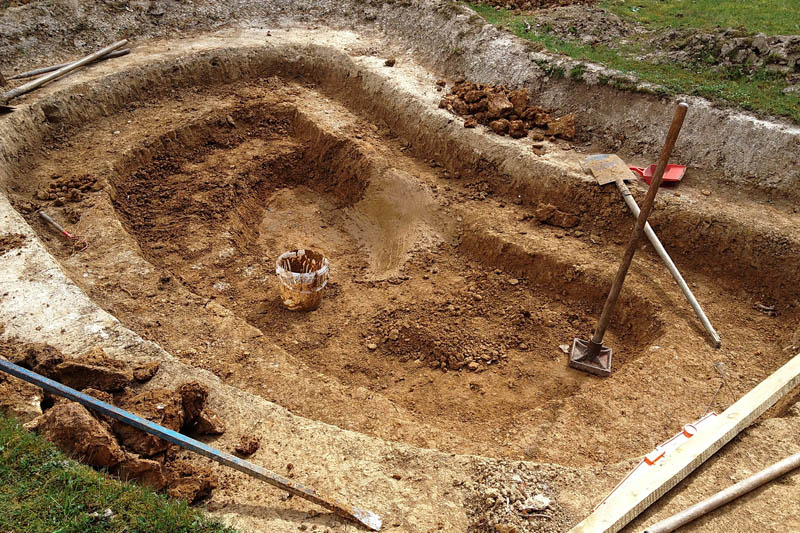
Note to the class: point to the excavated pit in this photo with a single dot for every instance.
(450, 290)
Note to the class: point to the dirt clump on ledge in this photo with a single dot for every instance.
(11, 241)
(505, 111)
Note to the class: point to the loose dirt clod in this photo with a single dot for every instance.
(145, 372)
(73, 429)
(20, 399)
(209, 423)
(93, 369)
(144, 471)
(248, 445)
(193, 398)
(160, 406)
(549, 214)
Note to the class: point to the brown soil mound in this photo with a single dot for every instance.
(94, 369)
(193, 398)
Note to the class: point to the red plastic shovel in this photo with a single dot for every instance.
(672, 174)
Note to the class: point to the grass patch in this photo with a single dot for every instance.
(41, 490)
(772, 17)
(758, 92)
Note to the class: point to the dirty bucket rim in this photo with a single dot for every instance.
(295, 280)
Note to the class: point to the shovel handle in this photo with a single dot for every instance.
(641, 220)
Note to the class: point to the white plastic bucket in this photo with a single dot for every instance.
(303, 274)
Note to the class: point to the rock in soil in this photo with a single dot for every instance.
(73, 429)
(189, 482)
(549, 214)
(145, 372)
(193, 397)
(209, 423)
(160, 406)
(143, 471)
(248, 445)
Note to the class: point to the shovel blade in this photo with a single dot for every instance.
(608, 168)
(582, 358)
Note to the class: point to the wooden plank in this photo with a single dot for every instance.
(623, 507)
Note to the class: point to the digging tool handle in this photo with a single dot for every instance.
(366, 518)
(45, 70)
(647, 206)
(38, 82)
(662, 253)
(724, 496)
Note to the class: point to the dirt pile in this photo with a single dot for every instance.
(586, 25)
(505, 111)
(536, 4)
(734, 48)
(101, 441)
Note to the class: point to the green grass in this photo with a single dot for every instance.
(773, 17)
(41, 490)
(758, 92)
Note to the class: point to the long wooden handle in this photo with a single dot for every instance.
(38, 82)
(45, 70)
(638, 229)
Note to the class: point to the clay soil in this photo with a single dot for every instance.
(448, 300)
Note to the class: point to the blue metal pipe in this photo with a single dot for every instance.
(366, 518)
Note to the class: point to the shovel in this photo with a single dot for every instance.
(609, 167)
(592, 356)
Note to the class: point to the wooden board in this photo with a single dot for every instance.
(608, 168)
(622, 507)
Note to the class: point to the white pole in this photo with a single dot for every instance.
(724, 496)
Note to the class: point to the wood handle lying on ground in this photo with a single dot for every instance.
(31, 85)
(45, 70)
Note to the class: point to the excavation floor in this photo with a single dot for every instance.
(448, 301)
